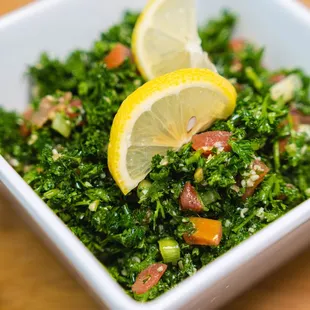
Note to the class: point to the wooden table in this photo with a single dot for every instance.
(31, 278)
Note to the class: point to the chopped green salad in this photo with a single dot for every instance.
(240, 175)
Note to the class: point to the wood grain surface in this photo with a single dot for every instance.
(32, 279)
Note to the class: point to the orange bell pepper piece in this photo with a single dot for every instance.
(208, 232)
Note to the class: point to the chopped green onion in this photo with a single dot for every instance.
(94, 205)
(276, 156)
(253, 77)
(198, 176)
(51, 193)
(169, 250)
(194, 158)
(143, 188)
(61, 125)
(209, 197)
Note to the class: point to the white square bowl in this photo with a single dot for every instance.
(59, 26)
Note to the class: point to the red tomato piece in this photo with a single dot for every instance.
(28, 114)
(277, 78)
(299, 117)
(236, 65)
(117, 56)
(295, 120)
(261, 170)
(304, 119)
(148, 278)
(74, 108)
(40, 117)
(282, 144)
(237, 45)
(46, 111)
(24, 130)
(239, 87)
(206, 141)
(189, 199)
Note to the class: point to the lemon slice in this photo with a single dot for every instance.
(166, 39)
(164, 114)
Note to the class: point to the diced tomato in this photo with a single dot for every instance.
(295, 121)
(282, 144)
(39, 169)
(206, 141)
(239, 87)
(24, 130)
(304, 119)
(236, 65)
(67, 97)
(148, 278)
(47, 110)
(117, 56)
(76, 103)
(28, 114)
(74, 108)
(40, 117)
(208, 232)
(189, 199)
(277, 78)
(237, 45)
(300, 117)
(261, 170)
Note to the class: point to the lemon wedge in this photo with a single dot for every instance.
(165, 38)
(164, 114)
